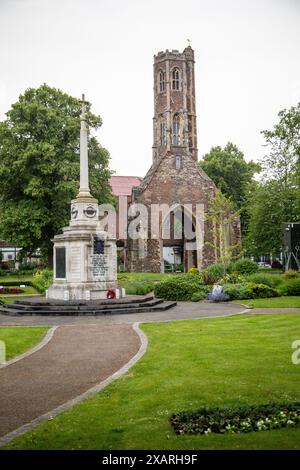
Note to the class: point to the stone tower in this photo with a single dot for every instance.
(179, 190)
(174, 123)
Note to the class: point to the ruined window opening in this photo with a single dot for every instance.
(161, 81)
(176, 130)
(175, 79)
(163, 134)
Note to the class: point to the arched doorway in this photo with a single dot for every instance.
(181, 240)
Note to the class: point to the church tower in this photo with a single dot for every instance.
(175, 184)
(174, 122)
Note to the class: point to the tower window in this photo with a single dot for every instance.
(161, 81)
(163, 134)
(178, 162)
(175, 79)
(176, 130)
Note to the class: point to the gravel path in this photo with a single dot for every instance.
(75, 360)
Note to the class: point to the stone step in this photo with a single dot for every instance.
(127, 309)
(124, 300)
(80, 307)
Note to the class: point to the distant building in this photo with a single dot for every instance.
(9, 251)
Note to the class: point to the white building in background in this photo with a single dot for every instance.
(9, 251)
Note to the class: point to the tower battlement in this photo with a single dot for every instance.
(187, 54)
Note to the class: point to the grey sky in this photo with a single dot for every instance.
(247, 64)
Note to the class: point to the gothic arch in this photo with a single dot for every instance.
(175, 78)
(161, 81)
(192, 250)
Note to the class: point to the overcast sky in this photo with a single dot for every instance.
(247, 64)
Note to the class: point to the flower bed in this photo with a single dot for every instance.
(13, 290)
(236, 420)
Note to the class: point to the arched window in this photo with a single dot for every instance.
(163, 134)
(175, 79)
(176, 130)
(161, 81)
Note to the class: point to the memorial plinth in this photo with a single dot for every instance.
(85, 258)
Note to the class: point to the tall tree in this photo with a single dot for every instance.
(229, 170)
(281, 163)
(275, 199)
(39, 166)
(269, 206)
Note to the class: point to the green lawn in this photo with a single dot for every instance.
(140, 277)
(18, 340)
(274, 302)
(234, 360)
(17, 279)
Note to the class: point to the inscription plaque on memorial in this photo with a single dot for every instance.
(60, 264)
(99, 266)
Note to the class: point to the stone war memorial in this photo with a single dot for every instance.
(85, 259)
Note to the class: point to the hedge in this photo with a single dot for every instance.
(249, 291)
(179, 287)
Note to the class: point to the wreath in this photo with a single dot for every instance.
(111, 294)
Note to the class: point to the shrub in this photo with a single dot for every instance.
(200, 295)
(290, 287)
(1, 301)
(138, 288)
(193, 271)
(215, 272)
(291, 274)
(179, 287)
(249, 291)
(232, 278)
(42, 280)
(271, 280)
(245, 266)
(237, 419)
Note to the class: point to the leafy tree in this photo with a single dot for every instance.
(221, 215)
(230, 172)
(282, 161)
(275, 199)
(39, 167)
(269, 207)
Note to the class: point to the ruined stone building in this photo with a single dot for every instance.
(174, 179)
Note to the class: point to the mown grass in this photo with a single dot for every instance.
(18, 339)
(274, 302)
(189, 364)
(17, 279)
(141, 277)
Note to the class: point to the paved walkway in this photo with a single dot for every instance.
(183, 311)
(75, 360)
(271, 311)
